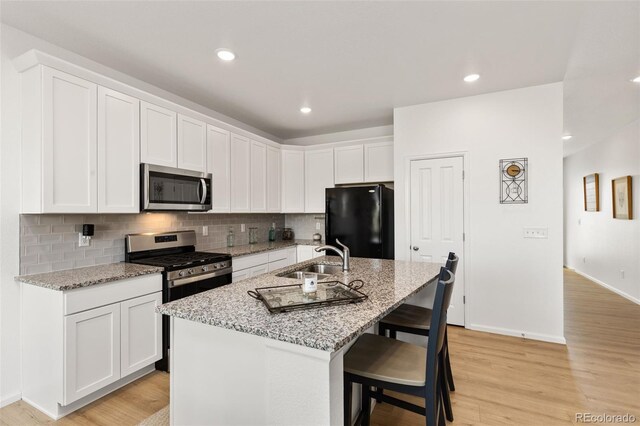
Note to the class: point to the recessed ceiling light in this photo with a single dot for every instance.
(566, 137)
(471, 77)
(636, 80)
(305, 110)
(225, 54)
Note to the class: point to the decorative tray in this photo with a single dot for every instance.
(290, 297)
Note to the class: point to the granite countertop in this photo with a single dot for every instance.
(248, 249)
(388, 283)
(85, 277)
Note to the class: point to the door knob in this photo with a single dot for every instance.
(416, 248)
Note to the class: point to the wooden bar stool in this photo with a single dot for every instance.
(385, 363)
(416, 320)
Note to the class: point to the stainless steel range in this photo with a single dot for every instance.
(186, 271)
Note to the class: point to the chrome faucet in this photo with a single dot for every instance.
(344, 253)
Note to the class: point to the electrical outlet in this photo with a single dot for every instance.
(579, 221)
(83, 241)
(317, 226)
(541, 233)
(622, 274)
(584, 260)
(205, 231)
(242, 227)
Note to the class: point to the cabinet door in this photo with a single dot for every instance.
(378, 162)
(278, 264)
(349, 164)
(158, 135)
(192, 140)
(318, 169)
(304, 253)
(240, 174)
(273, 180)
(118, 152)
(69, 144)
(141, 333)
(292, 256)
(240, 275)
(259, 270)
(292, 181)
(258, 177)
(91, 351)
(219, 165)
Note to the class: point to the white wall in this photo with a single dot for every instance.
(597, 245)
(513, 285)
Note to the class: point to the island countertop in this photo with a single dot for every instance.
(388, 283)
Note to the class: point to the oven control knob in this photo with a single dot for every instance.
(181, 273)
(190, 271)
(205, 269)
(216, 266)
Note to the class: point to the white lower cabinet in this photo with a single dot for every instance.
(305, 253)
(80, 344)
(258, 264)
(91, 351)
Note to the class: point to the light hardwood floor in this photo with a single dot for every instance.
(499, 380)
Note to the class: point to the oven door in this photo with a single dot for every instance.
(187, 286)
(167, 188)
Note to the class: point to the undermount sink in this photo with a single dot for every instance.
(323, 271)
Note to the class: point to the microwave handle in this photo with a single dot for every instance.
(204, 191)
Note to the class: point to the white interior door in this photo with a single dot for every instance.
(437, 220)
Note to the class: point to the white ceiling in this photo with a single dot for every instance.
(352, 62)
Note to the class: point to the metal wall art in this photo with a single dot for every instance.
(513, 181)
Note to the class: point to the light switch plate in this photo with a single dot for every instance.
(540, 233)
(205, 230)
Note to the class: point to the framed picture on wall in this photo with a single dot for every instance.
(591, 187)
(622, 201)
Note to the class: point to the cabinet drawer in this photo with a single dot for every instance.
(278, 264)
(245, 262)
(81, 299)
(277, 255)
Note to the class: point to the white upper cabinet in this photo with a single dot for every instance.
(240, 174)
(318, 170)
(219, 165)
(59, 143)
(274, 171)
(258, 174)
(292, 181)
(349, 167)
(118, 152)
(192, 142)
(378, 162)
(158, 135)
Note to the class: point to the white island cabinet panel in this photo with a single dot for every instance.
(240, 174)
(118, 152)
(91, 351)
(158, 135)
(274, 173)
(219, 165)
(192, 142)
(141, 332)
(318, 170)
(378, 162)
(349, 167)
(258, 172)
(69, 144)
(292, 181)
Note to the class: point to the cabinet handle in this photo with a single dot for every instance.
(416, 248)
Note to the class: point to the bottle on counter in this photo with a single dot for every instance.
(272, 232)
(231, 239)
(253, 235)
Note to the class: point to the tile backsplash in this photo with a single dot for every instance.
(304, 225)
(50, 242)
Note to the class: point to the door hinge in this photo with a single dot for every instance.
(463, 175)
(463, 236)
(464, 299)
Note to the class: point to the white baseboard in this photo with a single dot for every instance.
(518, 333)
(607, 286)
(6, 400)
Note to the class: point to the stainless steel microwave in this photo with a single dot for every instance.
(170, 189)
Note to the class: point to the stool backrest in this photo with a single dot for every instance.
(452, 262)
(444, 288)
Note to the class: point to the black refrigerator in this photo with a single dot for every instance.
(361, 218)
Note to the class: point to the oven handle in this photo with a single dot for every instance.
(194, 278)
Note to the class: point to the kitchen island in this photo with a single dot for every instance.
(234, 363)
